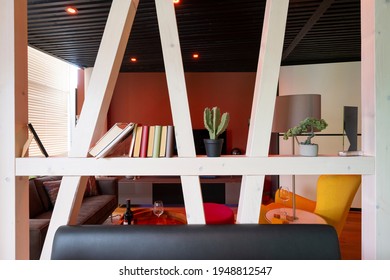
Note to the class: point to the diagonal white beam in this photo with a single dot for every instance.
(179, 106)
(93, 114)
(263, 105)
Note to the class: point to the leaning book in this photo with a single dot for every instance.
(115, 135)
(37, 140)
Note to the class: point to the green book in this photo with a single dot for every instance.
(157, 140)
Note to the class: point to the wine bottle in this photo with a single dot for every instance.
(128, 216)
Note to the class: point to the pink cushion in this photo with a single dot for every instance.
(218, 214)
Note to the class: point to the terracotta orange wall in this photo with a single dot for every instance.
(143, 98)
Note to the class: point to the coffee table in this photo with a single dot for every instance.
(145, 216)
(304, 217)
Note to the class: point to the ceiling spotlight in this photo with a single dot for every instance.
(133, 59)
(195, 56)
(71, 10)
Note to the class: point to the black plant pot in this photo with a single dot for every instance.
(213, 147)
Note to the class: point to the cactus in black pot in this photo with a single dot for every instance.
(216, 124)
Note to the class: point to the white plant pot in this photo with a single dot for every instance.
(310, 150)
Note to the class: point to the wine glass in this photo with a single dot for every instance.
(158, 208)
(284, 195)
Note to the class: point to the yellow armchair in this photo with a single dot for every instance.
(335, 194)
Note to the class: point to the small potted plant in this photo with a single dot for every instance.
(306, 127)
(216, 125)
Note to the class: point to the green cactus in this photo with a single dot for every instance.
(214, 123)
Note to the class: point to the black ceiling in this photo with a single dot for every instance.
(225, 33)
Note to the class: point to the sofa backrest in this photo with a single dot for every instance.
(39, 199)
(35, 202)
(189, 242)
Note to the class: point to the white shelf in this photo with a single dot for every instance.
(201, 165)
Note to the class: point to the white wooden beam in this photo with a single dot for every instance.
(263, 105)
(14, 211)
(375, 18)
(202, 165)
(179, 105)
(93, 114)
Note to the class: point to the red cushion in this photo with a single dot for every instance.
(218, 214)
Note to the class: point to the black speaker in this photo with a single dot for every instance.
(351, 126)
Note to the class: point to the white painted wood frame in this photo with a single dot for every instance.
(174, 71)
(201, 165)
(263, 105)
(375, 132)
(375, 18)
(94, 112)
(14, 210)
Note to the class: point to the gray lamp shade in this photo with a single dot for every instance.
(290, 110)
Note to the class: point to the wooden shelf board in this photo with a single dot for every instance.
(197, 166)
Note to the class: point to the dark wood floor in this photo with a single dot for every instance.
(351, 237)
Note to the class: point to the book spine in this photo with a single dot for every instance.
(170, 141)
(132, 144)
(163, 141)
(150, 141)
(137, 145)
(157, 140)
(144, 141)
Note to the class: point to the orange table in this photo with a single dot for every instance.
(146, 217)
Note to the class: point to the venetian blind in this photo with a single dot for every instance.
(48, 92)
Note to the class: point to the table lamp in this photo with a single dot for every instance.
(290, 110)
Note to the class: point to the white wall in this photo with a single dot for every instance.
(339, 86)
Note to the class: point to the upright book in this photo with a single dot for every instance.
(137, 144)
(157, 141)
(170, 141)
(150, 141)
(144, 141)
(112, 137)
(163, 141)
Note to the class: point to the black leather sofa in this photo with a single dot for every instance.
(191, 242)
(95, 209)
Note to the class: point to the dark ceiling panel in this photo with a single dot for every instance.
(225, 33)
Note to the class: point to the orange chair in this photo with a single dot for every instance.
(335, 194)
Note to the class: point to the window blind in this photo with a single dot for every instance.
(48, 96)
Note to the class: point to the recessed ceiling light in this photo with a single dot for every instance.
(195, 55)
(71, 10)
(133, 59)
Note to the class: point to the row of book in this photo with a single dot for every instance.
(135, 140)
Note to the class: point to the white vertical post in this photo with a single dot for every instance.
(375, 18)
(14, 212)
(263, 106)
(93, 115)
(179, 106)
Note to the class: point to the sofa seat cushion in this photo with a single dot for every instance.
(44, 215)
(96, 209)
